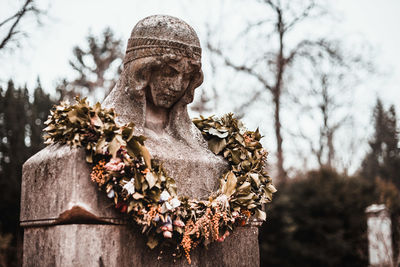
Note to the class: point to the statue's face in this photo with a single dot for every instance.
(168, 82)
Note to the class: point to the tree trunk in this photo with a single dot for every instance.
(277, 121)
(277, 91)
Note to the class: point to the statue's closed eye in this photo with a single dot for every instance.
(169, 71)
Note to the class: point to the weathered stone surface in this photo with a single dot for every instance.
(110, 245)
(68, 222)
(55, 180)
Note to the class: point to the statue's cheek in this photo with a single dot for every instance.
(185, 84)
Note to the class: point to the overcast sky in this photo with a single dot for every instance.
(48, 49)
(47, 52)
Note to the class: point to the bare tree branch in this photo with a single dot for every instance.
(92, 64)
(272, 66)
(240, 111)
(28, 7)
(305, 14)
(241, 68)
(254, 25)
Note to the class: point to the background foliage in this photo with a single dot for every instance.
(21, 123)
(318, 219)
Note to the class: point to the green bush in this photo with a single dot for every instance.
(318, 220)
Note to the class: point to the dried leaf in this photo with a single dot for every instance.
(255, 178)
(244, 187)
(271, 188)
(230, 184)
(236, 156)
(216, 145)
(151, 179)
(261, 215)
(89, 157)
(215, 132)
(239, 138)
(246, 198)
(146, 155)
(152, 242)
(137, 195)
(101, 143)
(127, 131)
(96, 121)
(73, 116)
(113, 147)
(135, 149)
(140, 139)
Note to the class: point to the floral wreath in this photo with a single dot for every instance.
(142, 189)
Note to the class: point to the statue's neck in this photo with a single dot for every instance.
(146, 116)
(156, 118)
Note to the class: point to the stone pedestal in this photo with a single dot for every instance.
(68, 222)
(111, 245)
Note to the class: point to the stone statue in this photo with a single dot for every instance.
(162, 68)
(68, 223)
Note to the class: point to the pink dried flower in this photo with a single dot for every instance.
(179, 223)
(166, 227)
(226, 234)
(115, 165)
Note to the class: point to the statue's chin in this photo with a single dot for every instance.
(164, 104)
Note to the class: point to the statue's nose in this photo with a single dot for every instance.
(177, 83)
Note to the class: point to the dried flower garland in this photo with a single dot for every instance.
(142, 189)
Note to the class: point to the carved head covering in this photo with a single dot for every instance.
(157, 39)
(162, 35)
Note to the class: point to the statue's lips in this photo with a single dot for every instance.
(168, 97)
